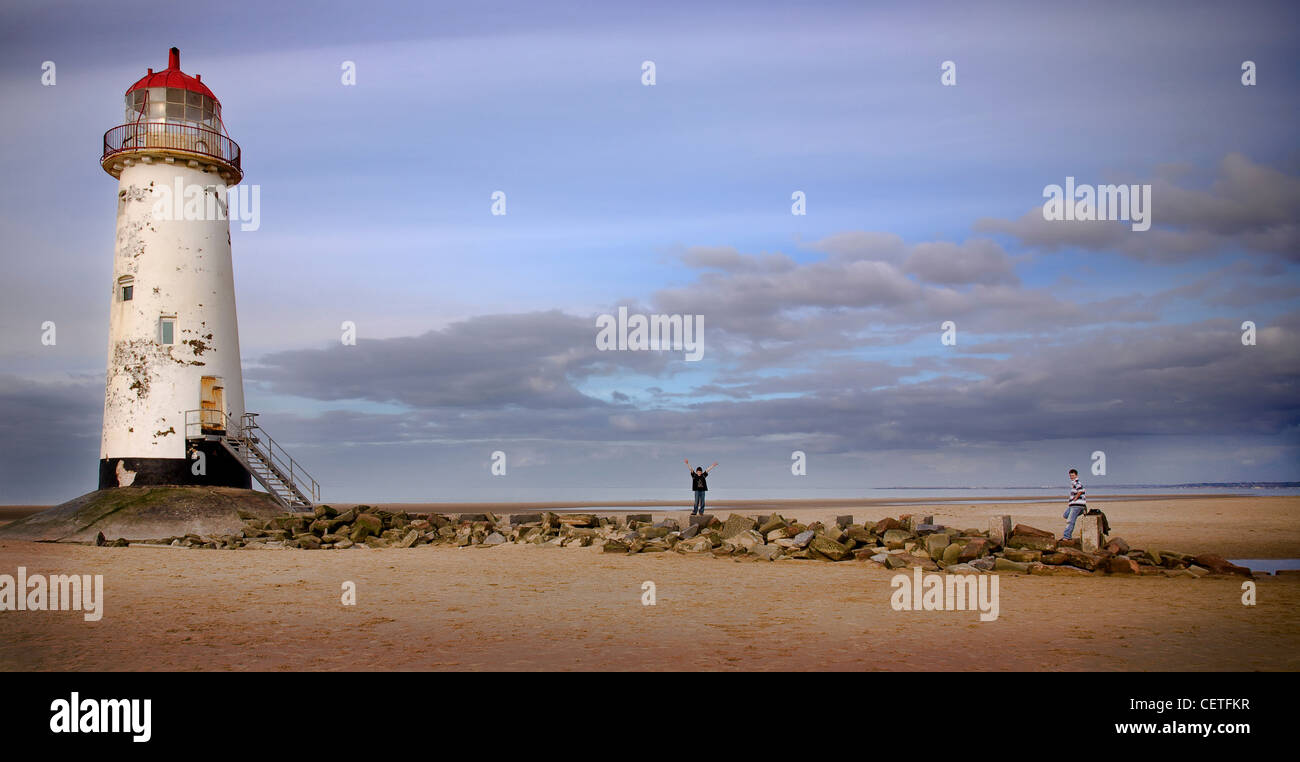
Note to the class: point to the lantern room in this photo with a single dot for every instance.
(171, 115)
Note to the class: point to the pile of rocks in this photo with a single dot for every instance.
(891, 543)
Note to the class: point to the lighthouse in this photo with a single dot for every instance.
(174, 392)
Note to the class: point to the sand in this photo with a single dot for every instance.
(525, 607)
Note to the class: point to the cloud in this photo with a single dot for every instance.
(1248, 206)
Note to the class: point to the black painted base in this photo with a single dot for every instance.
(222, 470)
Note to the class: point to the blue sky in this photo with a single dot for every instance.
(375, 209)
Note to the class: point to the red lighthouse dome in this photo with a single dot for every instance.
(172, 76)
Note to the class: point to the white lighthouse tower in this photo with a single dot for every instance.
(174, 397)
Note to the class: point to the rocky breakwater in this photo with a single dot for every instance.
(890, 543)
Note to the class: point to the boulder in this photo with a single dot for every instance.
(974, 549)
(1220, 565)
(746, 539)
(828, 548)
(1031, 541)
(935, 544)
(579, 520)
(952, 554)
(896, 538)
(884, 525)
(736, 524)
(614, 546)
(1024, 556)
(694, 545)
(1121, 565)
(766, 552)
(802, 539)
(494, 538)
(772, 524)
(1117, 546)
(1000, 530)
(1005, 565)
(843, 521)
(1058, 571)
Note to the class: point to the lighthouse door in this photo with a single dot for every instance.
(212, 403)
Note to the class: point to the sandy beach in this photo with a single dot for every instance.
(524, 607)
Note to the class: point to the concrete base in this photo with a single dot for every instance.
(144, 513)
(1000, 530)
(1088, 530)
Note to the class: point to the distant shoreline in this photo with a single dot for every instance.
(12, 512)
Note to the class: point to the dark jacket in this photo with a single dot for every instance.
(700, 482)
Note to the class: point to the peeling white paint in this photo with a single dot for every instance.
(125, 478)
(149, 385)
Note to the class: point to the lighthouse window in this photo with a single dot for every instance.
(126, 288)
(175, 110)
(167, 330)
(175, 95)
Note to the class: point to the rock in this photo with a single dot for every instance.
(884, 525)
(1087, 530)
(470, 518)
(308, 541)
(952, 554)
(1079, 559)
(935, 544)
(370, 522)
(690, 531)
(984, 563)
(895, 539)
(736, 524)
(1121, 565)
(925, 529)
(1058, 571)
(802, 539)
(766, 552)
(773, 523)
(974, 549)
(614, 546)
(100, 542)
(746, 539)
(1024, 556)
(525, 518)
(1118, 546)
(1003, 564)
(961, 569)
(579, 520)
(1031, 541)
(1054, 558)
(1000, 530)
(694, 545)
(843, 521)
(1220, 565)
(829, 548)
(860, 535)
(895, 562)
(702, 520)
(644, 518)
(344, 544)
(652, 533)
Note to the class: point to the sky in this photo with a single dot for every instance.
(476, 333)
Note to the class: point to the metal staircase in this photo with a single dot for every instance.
(268, 463)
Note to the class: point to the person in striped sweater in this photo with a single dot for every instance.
(1077, 505)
